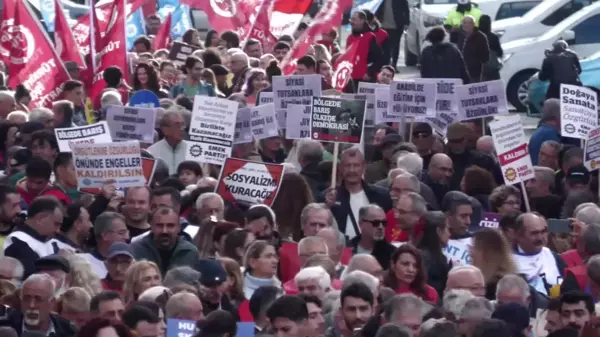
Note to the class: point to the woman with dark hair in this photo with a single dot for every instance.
(101, 327)
(479, 184)
(256, 80)
(491, 70)
(208, 76)
(210, 58)
(212, 39)
(407, 274)
(433, 241)
(8, 137)
(146, 78)
(442, 59)
(381, 35)
(192, 37)
(22, 98)
(235, 245)
(294, 194)
(505, 199)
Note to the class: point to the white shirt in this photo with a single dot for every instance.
(172, 157)
(98, 266)
(357, 200)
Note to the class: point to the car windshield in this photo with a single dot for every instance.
(542, 8)
(568, 22)
(439, 2)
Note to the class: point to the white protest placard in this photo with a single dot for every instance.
(413, 98)
(458, 251)
(263, 122)
(90, 134)
(212, 130)
(129, 123)
(591, 157)
(511, 146)
(120, 162)
(295, 89)
(369, 106)
(578, 111)
(243, 132)
(248, 182)
(478, 100)
(266, 97)
(382, 115)
(298, 122)
(446, 105)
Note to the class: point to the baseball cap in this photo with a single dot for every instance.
(52, 262)
(391, 139)
(578, 175)
(119, 248)
(212, 272)
(420, 127)
(20, 157)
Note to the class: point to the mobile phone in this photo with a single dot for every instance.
(559, 226)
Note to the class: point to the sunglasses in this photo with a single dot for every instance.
(377, 223)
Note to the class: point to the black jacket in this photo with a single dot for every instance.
(62, 327)
(438, 190)
(314, 179)
(382, 251)
(341, 209)
(476, 52)
(443, 60)
(468, 158)
(22, 251)
(401, 12)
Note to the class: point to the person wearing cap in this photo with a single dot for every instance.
(423, 138)
(118, 259)
(73, 69)
(577, 179)
(379, 170)
(16, 160)
(212, 278)
(56, 267)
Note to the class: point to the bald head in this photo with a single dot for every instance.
(184, 305)
(335, 242)
(440, 168)
(366, 263)
(485, 144)
(17, 117)
(467, 278)
(239, 61)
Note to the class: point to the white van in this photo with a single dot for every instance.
(524, 57)
(538, 20)
(426, 14)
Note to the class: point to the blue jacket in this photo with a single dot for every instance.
(204, 89)
(539, 136)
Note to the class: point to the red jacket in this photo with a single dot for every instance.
(381, 36)
(580, 273)
(360, 68)
(393, 234)
(572, 258)
(431, 295)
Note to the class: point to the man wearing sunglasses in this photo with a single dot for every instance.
(371, 240)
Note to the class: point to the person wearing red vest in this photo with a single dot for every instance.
(381, 36)
(369, 58)
(576, 278)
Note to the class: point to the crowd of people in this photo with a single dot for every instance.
(373, 255)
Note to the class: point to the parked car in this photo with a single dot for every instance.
(538, 20)
(426, 14)
(590, 77)
(524, 57)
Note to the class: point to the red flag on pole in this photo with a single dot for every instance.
(163, 36)
(261, 28)
(33, 61)
(64, 42)
(227, 14)
(343, 67)
(6, 29)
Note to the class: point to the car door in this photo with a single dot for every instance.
(565, 11)
(587, 37)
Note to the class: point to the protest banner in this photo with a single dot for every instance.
(413, 98)
(126, 123)
(245, 329)
(490, 220)
(578, 111)
(513, 155)
(263, 122)
(458, 251)
(180, 51)
(337, 120)
(243, 131)
(90, 134)
(266, 97)
(212, 130)
(148, 168)
(248, 183)
(592, 150)
(446, 105)
(144, 99)
(382, 115)
(369, 107)
(298, 122)
(97, 163)
(478, 100)
(295, 89)
(180, 328)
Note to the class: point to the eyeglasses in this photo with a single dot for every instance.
(377, 223)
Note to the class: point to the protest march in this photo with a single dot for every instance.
(282, 174)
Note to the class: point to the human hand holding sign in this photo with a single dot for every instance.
(109, 189)
(330, 197)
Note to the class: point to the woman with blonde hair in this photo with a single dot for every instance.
(490, 252)
(141, 275)
(321, 53)
(235, 283)
(209, 77)
(204, 238)
(82, 275)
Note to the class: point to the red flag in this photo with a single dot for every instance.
(64, 42)
(163, 36)
(343, 67)
(111, 50)
(261, 28)
(33, 61)
(226, 14)
(287, 15)
(6, 29)
(330, 15)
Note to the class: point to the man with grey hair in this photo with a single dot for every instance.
(109, 228)
(412, 163)
(474, 310)
(371, 240)
(408, 210)
(7, 103)
(63, 114)
(210, 204)
(549, 153)
(486, 144)
(309, 154)
(589, 215)
(172, 148)
(513, 288)
(405, 310)
(42, 115)
(359, 276)
(314, 217)
(11, 269)
(18, 117)
(404, 182)
(353, 193)
(425, 191)
(454, 302)
(541, 198)
(336, 245)
(466, 277)
(239, 64)
(184, 305)
(548, 129)
(575, 276)
(110, 97)
(309, 246)
(366, 263)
